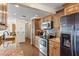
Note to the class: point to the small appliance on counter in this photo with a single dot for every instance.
(51, 33)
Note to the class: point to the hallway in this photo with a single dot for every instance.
(28, 49)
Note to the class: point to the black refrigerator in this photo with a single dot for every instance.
(69, 35)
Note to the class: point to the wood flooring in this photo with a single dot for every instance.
(28, 49)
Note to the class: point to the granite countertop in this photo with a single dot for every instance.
(11, 53)
(8, 36)
(11, 50)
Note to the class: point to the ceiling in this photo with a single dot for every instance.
(48, 7)
(28, 11)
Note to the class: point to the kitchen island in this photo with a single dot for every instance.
(11, 48)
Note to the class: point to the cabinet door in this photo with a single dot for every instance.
(20, 30)
(71, 9)
(57, 51)
(3, 16)
(51, 53)
(54, 48)
(13, 28)
(36, 42)
(54, 51)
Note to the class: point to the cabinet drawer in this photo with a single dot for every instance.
(54, 44)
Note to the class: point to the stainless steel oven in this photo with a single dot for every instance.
(43, 42)
(43, 46)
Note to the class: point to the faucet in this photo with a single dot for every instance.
(4, 36)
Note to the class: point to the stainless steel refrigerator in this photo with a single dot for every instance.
(69, 37)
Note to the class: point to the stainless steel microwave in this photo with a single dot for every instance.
(47, 25)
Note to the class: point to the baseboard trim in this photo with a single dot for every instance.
(35, 46)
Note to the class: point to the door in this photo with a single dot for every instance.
(67, 29)
(13, 27)
(20, 30)
(76, 39)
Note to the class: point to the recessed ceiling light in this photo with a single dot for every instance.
(14, 14)
(26, 22)
(17, 6)
(0, 11)
(3, 11)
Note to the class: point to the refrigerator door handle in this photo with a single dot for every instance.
(72, 44)
(75, 38)
(72, 40)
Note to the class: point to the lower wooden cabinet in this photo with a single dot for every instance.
(36, 42)
(54, 49)
(51, 51)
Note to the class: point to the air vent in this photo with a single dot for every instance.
(23, 16)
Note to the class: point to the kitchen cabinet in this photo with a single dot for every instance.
(47, 18)
(70, 8)
(36, 41)
(3, 16)
(54, 43)
(35, 29)
(54, 51)
(56, 21)
(54, 47)
(36, 25)
(0, 40)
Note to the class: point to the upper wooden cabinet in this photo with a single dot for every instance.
(36, 24)
(3, 16)
(70, 8)
(56, 20)
(47, 18)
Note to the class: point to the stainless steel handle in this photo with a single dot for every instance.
(72, 44)
(75, 38)
(72, 31)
